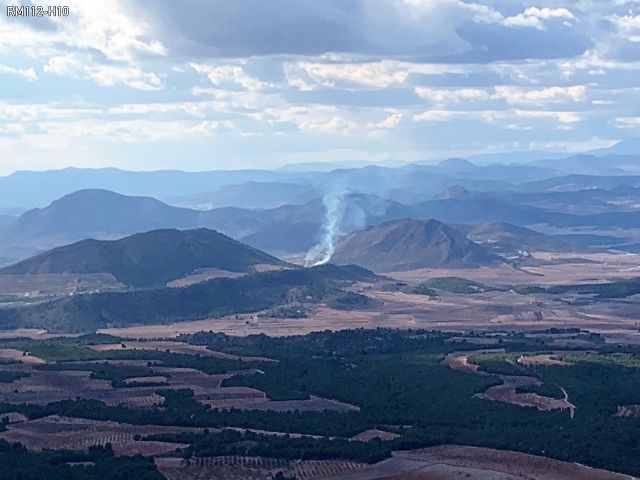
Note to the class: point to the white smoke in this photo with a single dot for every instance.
(334, 214)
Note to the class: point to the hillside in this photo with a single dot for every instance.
(409, 244)
(148, 259)
(93, 214)
(222, 296)
(506, 238)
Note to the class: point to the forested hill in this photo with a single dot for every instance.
(149, 259)
(223, 296)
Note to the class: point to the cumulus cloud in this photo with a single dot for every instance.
(535, 17)
(103, 74)
(229, 74)
(441, 96)
(528, 96)
(320, 77)
(429, 30)
(28, 73)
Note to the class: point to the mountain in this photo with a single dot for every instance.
(410, 244)
(92, 214)
(455, 191)
(610, 164)
(579, 182)
(104, 215)
(222, 296)
(457, 165)
(7, 219)
(525, 156)
(509, 239)
(630, 146)
(248, 195)
(36, 189)
(148, 259)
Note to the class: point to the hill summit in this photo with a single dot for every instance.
(148, 259)
(410, 244)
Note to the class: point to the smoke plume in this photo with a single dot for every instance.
(334, 213)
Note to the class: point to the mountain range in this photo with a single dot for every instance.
(148, 259)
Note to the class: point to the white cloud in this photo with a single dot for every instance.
(220, 75)
(392, 121)
(311, 119)
(444, 96)
(527, 96)
(105, 75)
(105, 26)
(534, 17)
(28, 73)
(628, 25)
(381, 74)
(628, 122)
(494, 116)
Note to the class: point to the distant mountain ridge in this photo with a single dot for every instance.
(409, 244)
(148, 259)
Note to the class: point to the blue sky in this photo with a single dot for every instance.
(147, 84)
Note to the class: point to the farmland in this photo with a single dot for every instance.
(274, 398)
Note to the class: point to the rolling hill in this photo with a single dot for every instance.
(222, 296)
(505, 238)
(148, 259)
(410, 244)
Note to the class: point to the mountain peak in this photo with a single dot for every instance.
(410, 244)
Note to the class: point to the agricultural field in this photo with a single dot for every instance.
(208, 405)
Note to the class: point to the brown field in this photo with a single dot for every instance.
(369, 435)
(175, 347)
(506, 392)
(570, 268)
(42, 387)
(541, 359)
(313, 404)
(26, 288)
(79, 434)
(19, 356)
(483, 311)
(453, 462)
(628, 411)
(203, 275)
(251, 468)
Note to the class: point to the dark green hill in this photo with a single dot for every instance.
(148, 259)
(222, 296)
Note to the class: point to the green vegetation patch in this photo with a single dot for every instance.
(451, 285)
(9, 377)
(19, 463)
(230, 442)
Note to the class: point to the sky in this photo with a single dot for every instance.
(225, 84)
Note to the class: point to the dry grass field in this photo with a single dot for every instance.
(369, 435)
(14, 355)
(560, 269)
(506, 392)
(27, 288)
(455, 462)
(252, 468)
(203, 275)
(174, 347)
(79, 434)
(497, 309)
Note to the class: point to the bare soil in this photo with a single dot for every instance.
(79, 434)
(369, 435)
(453, 462)
(19, 356)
